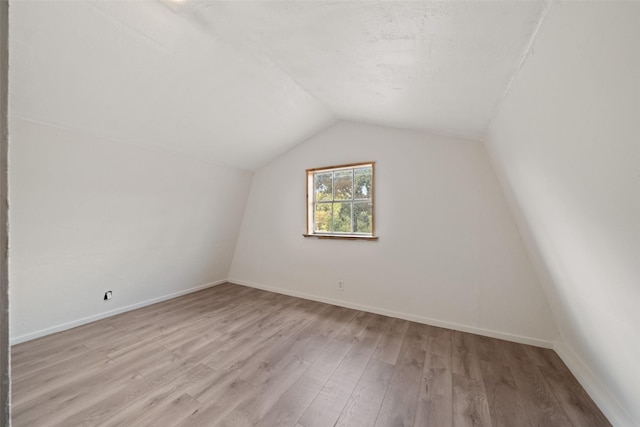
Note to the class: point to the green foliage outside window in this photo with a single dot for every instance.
(343, 201)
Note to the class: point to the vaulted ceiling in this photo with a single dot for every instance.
(241, 82)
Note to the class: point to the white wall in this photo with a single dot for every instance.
(449, 252)
(89, 215)
(5, 354)
(567, 142)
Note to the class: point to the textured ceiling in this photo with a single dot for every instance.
(241, 82)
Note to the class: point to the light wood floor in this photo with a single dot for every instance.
(236, 356)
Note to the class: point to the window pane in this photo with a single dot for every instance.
(341, 200)
(322, 186)
(343, 184)
(362, 217)
(323, 217)
(342, 217)
(363, 183)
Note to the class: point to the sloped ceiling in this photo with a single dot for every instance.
(241, 82)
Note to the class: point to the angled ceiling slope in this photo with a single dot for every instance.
(240, 82)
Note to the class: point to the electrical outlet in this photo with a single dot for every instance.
(341, 285)
(108, 295)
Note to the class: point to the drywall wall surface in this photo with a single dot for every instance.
(566, 142)
(90, 215)
(448, 253)
(5, 418)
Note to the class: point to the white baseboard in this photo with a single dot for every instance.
(411, 317)
(600, 394)
(104, 314)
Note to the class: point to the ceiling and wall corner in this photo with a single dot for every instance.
(565, 142)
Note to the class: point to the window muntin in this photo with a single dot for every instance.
(340, 201)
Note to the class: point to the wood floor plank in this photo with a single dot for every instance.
(146, 359)
(217, 403)
(162, 394)
(435, 404)
(540, 404)
(22, 366)
(258, 335)
(328, 405)
(504, 399)
(579, 408)
(167, 413)
(488, 350)
(114, 402)
(391, 342)
(290, 407)
(417, 335)
(356, 328)
(505, 402)
(67, 400)
(306, 343)
(245, 355)
(464, 357)
(547, 358)
(470, 407)
(239, 347)
(262, 398)
(55, 343)
(113, 375)
(235, 356)
(59, 375)
(364, 403)
(293, 351)
(401, 399)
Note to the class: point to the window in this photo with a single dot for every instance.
(340, 201)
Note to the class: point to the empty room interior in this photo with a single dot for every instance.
(320, 213)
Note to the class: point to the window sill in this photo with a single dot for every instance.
(341, 236)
